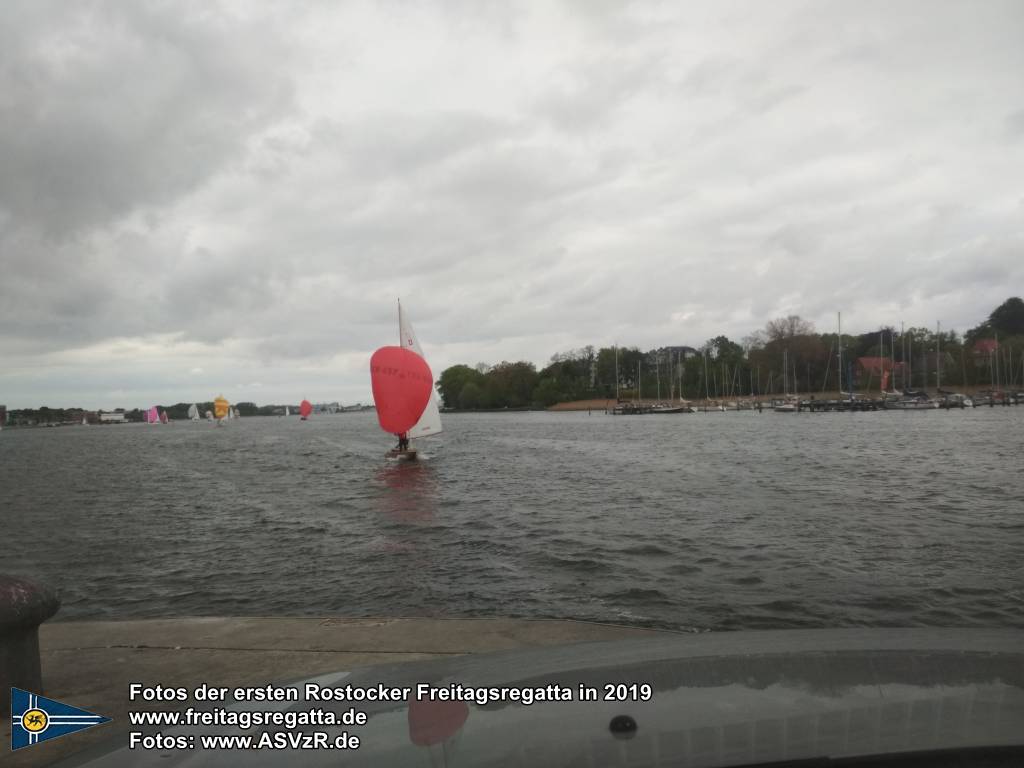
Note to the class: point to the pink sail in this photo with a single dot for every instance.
(305, 408)
(152, 415)
(402, 385)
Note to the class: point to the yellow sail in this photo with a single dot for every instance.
(220, 407)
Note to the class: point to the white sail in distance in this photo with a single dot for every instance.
(430, 421)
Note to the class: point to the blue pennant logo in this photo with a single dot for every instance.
(36, 718)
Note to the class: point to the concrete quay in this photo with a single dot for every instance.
(90, 664)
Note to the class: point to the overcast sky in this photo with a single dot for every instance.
(205, 198)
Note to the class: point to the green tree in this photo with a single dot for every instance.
(782, 328)
(453, 380)
(1008, 317)
(471, 396)
(510, 384)
(546, 393)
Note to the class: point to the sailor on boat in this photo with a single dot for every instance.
(403, 442)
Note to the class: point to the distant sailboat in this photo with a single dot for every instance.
(85, 421)
(153, 416)
(286, 411)
(221, 409)
(305, 408)
(163, 417)
(193, 412)
(789, 404)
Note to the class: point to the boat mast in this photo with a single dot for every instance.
(903, 357)
(998, 386)
(657, 374)
(892, 360)
(638, 381)
(707, 394)
(679, 371)
(616, 373)
(785, 372)
(938, 356)
(839, 345)
(668, 375)
(909, 359)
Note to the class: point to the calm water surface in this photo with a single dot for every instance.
(701, 521)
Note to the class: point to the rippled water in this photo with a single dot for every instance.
(704, 521)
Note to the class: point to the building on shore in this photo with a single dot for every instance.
(112, 417)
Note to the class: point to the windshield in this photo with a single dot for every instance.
(419, 343)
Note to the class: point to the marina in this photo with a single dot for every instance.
(914, 402)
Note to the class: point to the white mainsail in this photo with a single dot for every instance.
(430, 421)
(286, 411)
(193, 412)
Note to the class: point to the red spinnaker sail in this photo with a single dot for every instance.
(305, 408)
(402, 383)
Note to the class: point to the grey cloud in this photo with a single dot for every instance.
(258, 185)
(1015, 124)
(109, 107)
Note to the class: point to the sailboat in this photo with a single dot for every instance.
(305, 408)
(221, 409)
(153, 416)
(163, 417)
(403, 391)
(193, 412)
(430, 422)
(286, 411)
(790, 404)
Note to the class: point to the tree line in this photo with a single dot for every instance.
(787, 355)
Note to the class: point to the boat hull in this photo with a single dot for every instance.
(397, 455)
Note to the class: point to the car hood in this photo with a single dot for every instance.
(717, 699)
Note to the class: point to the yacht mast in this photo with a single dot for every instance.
(839, 345)
(616, 373)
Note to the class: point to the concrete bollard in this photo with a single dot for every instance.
(23, 607)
